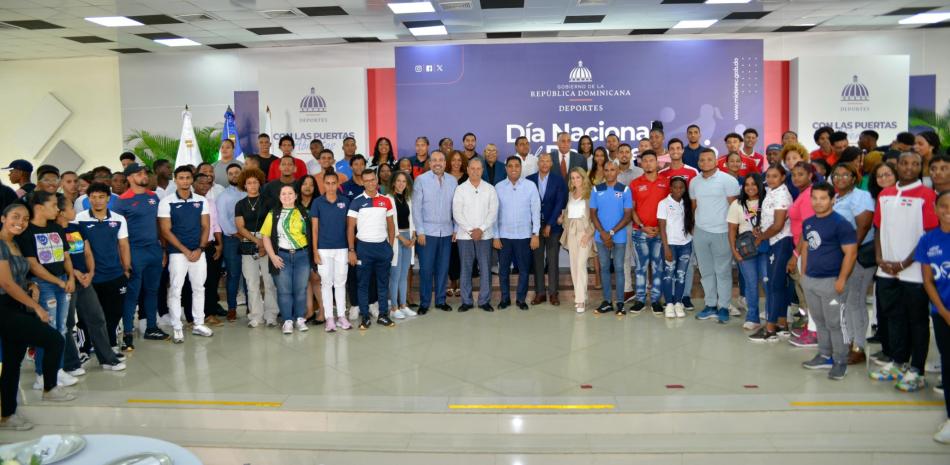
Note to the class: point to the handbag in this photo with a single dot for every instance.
(745, 245)
(866, 256)
(247, 248)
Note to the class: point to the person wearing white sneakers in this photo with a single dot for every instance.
(400, 192)
(328, 234)
(674, 216)
(249, 215)
(578, 236)
(185, 224)
(23, 322)
(933, 254)
(287, 240)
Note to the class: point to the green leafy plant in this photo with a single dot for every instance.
(939, 122)
(150, 147)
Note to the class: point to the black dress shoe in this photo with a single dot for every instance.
(385, 321)
(487, 307)
(522, 305)
(604, 307)
(464, 308)
(365, 322)
(444, 307)
(504, 304)
(422, 310)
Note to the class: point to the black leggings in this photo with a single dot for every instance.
(112, 299)
(19, 330)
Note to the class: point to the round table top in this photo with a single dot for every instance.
(104, 448)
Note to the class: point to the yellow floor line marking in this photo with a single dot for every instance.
(221, 403)
(531, 406)
(882, 403)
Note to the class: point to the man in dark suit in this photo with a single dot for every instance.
(494, 171)
(564, 158)
(553, 191)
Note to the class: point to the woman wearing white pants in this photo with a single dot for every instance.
(328, 228)
(249, 214)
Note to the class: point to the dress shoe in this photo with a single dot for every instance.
(232, 315)
(856, 356)
(212, 321)
(444, 307)
(539, 299)
(422, 310)
(504, 304)
(487, 308)
(522, 305)
(554, 300)
(464, 308)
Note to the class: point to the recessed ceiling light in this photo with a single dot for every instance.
(411, 7)
(925, 18)
(114, 21)
(428, 31)
(181, 42)
(806, 24)
(695, 24)
(719, 2)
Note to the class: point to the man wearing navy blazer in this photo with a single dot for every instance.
(553, 191)
(564, 158)
(494, 171)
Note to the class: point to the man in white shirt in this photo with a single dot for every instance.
(529, 161)
(313, 165)
(475, 209)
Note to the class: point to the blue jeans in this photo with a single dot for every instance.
(754, 271)
(616, 257)
(470, 252)
(232, 264)
(433, 264)
(518, 250)
(674, 273)
(292, 283)
(399, 274)
(649, 254)
(777, 290)
(56, 302)
(374, 260)
(146, 277)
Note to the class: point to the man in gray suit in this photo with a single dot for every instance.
(564, 158)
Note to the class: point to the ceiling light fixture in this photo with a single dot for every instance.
(180, 42)
(722, 2)
(114, 21)
(926, 18)
(411, 7)
(695, 24)
(429, 31)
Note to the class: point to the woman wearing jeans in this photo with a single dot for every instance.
(44, 246)
(746, 216)
(401, 194)
(776, 229)
(287, 229)
(675, 217)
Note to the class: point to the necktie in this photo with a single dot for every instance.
(563, 166)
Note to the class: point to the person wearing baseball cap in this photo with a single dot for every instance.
(20, 172)
(773, 154)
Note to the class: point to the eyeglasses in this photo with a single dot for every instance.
(885, 174)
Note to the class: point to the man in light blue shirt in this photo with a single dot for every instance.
(712, 192)
(519, 222)
(432, 215)
(231, 242)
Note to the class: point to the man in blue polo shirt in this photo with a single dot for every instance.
(139, 207)
(328, 217)
(370, 232)
(184, 219)
(611, 207)
(343, 165)
(108, 236)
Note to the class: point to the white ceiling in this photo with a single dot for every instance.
(373, 19)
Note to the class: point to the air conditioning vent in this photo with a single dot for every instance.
(280, 14)
(196, 18)
(591, 2)
(454, 6)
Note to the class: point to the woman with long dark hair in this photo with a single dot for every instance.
(775, 228)
(675, 217)
(383, 154)
(585, 147)
(803, 177)
(306, 188)
(745, 215)
(400, 191)
(287, 232)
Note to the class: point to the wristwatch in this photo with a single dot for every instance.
(611, 232)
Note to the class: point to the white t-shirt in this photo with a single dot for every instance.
(777, 199)
(737, 215)
(675, 215)
(576, 207)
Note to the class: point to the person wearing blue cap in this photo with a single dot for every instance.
(20, 172)
(773, 154)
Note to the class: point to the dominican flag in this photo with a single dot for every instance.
(230, 132)
(269, 132)
(188, 152)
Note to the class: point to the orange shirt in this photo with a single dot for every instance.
(830, 158)
(274, 170)
(647, 196)
(748, 165)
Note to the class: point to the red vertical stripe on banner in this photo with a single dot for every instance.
(775, 101)
(381, 97)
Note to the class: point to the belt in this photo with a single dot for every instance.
(292, 251)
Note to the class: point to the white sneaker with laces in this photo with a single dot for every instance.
(117, 367)
(253, 324)
(65, 379)
(669, 311)
(288, 327)
(38, 384)
(178, 336)
(202, 330)
(374, 310)
(680, 310)
(943, 436)
(77, 372)
(354, 313)
(408, 311)
(734, 311)
(302, 325)
(750, 326)
(398, 314)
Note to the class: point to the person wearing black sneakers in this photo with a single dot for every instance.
(611, 206)
(475, 209)
(370, 234)
(517, 231)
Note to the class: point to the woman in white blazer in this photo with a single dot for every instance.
(400, 192)
(578, 232)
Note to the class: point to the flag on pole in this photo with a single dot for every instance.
(188, 153)
(269, 132)
(230, 132)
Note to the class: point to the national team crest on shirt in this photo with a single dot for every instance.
(150, 202)
(618, 194)
(380, 203)
(934, 251)
(340, 205)
(196, 205)
(113, 224)
(906, 202)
